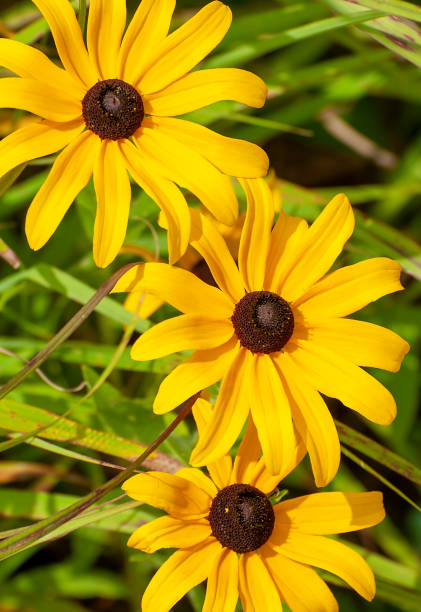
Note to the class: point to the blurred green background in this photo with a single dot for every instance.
(343, 114)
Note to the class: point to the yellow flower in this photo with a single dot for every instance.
(274, 332)
(112, 108)
(227, 531)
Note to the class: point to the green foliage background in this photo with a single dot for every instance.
(343, 114)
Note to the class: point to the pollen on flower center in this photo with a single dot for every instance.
(112, 109)
(263, 321)
(241, 518)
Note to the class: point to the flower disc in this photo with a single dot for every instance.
(263, 321)
(241, 518)
(112, 109)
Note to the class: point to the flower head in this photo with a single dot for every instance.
(112, 110)
(275, 332)
(227, 531)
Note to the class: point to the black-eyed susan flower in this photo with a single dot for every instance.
(275, 332)
(112, 110)
(228, 532)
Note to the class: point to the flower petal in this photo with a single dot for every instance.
(167, 196)
(332, 556)
(247, 456)
(39, 98)
(337, 377)
(220, 470)
(27, 62)
(179, 497)
(148, 306)
(348, 289)
(169, 532)
(189, 169)
(208, 241)
(68, 38)
(113, 193)
(180, 573)
(35, 140)
(204, 87)
(200, 479)
(146, 31)
(230, 412)
(186, 47)
(68, 176)
(324, 242)
(365, 344)
(255, 236)
(202, 369)
(286, 238)
(313, 421)
(178, 287)
(106, 23)
(222, 587)
(331, 512)
(290, 577)
(231, 156)
(183, 333)
(257, 588)
(271, 414)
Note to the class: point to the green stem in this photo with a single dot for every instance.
(66, 331)
(28, 536)
(82, 15)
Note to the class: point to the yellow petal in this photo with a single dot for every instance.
(180, 573)
(262, 479)
(220, 470)
(183, 333)
(332, 556)
(230, 155)
(247, 455)
(324, 513)
(200, 479)
(113, 193)
(169, 532)
(300, 586)
(68, 176)
(146, 31)
(348, 289)
(189, 169)
(222, 587)
(39, 98)
(68, 38)
(167, 196)
(179, 497)
(271, 414)
(29, 62)
(286, 239)
(148, 305)
(204, 87)
(365, 344)
(35, 140)
(178, 287)
(255, 236)
(337, 377)
(313, 421)
(324, 242)
(106, 23)
(257, 589)
(202, 369)
(230, 412)
(207, 240)
(186, 47)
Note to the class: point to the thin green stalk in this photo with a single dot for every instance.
(66, 331)
(30, 535)
(345, 451)
(82, 15)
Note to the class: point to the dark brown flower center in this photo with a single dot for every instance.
(263, 321)
(241, 518)
(112, 109)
